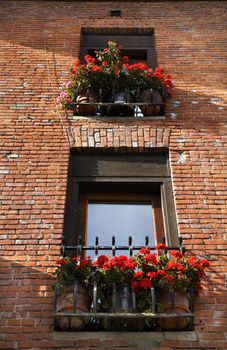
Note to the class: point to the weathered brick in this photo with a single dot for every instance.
(39, 42)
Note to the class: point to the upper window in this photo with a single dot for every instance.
(137, 44)
(121, 79)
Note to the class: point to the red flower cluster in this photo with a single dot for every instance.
(89, 59)
(152, 275)
(193, 261)
(169, 279)
(164, 271)
(169, 270)
(85, 262)
(125, 59)
(122, 262)
(204, 263)
(101, 261)
(96, 69)
(161, 246)
(78, 263)
(74, 269)
(75, 66)
(172, 265)
(151, 259)
(176, 254)
(140, 282)
(61, 261)
(139, 66)
(110, 70)
(144, 251)
(145, 283)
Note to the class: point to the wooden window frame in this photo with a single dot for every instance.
(85, 198)
(132, 40)
(125, 174)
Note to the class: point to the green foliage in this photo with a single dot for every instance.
(109, 71)
(164, 271)
(74, 269)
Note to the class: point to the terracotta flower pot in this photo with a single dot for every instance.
(65, 303)
(84, 109)
(152, 97)
(166, 304)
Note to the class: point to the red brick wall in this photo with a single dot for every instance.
(38, 43)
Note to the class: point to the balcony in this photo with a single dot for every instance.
(122, 104)
(122, 313)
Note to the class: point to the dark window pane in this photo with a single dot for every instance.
(134, 55)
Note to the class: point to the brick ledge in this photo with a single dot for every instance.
(155, 117)
(143, 337)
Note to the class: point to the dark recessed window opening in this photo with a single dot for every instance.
(134, 55)
(137, 44)
(117, 184)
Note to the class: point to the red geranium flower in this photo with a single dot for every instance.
(176, 254)
(152, 275)
(75, 258)
(85, 262)
(205, 263)
(151, 258)
(75, 66)
(101, 260)
(172, 265)
(161, 272)
(89, 59)
(193, 261)
(144, 251)
(118, 261)
(169, 279)
(61, 261)
(138, 274)
(129, 265)
(161, 246)
(95, 68)
(135, 286)
(145, 283)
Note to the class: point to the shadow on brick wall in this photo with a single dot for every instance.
(26, 308)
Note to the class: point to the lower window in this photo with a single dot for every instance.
(119, 195)
(117, 204)
(119, 215)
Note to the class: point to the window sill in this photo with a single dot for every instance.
(117, 118)
(136, 337)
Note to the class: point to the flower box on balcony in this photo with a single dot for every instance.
(149, 291)
(110, 85)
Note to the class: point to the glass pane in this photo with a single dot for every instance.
(120, 220)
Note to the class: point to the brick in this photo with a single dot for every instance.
(37, 48)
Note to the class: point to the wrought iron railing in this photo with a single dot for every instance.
(151, 319)
(116, 106)
(79, 247)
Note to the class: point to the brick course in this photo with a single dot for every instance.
(39, 40)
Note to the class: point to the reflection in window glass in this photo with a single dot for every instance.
(120, 220)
